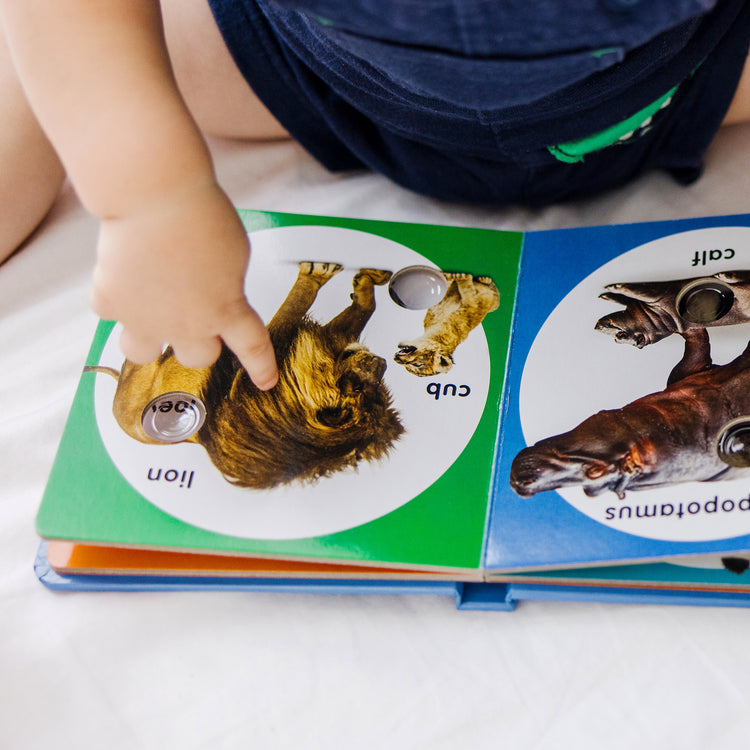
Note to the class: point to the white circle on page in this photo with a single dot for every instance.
(573, 371)
(181, 480)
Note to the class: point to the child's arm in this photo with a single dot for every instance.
(172, 252)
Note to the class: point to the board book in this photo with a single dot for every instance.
(488, 414)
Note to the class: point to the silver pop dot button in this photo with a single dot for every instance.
(173, 417)
(704, 301)
(417, 287)
(733, 445)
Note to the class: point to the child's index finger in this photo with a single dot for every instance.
(247, 336)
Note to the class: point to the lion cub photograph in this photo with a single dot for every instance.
(467, 301)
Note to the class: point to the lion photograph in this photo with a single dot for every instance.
(329, 411)
(467, 301)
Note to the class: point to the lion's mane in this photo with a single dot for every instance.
(322, 416)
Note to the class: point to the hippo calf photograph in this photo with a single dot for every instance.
(657, 309)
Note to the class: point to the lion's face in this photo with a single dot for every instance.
(424, 360)
(350, 394)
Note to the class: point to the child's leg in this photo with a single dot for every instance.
(217, 95)
(30, 172)
(739, 110)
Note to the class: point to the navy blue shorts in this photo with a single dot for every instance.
(469, 115)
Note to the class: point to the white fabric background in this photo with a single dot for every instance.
(137, 671)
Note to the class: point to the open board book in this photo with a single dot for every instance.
(495, 415)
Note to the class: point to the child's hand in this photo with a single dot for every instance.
(173, 272)
(172, 250)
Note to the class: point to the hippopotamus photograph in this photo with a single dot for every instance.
(657, 309)
(660, 439)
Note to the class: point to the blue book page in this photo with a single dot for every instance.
(695, 573)
(599, 460)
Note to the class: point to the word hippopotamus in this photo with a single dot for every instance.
(661, 439)
(652, 308)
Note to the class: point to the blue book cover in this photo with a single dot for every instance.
(623, 433)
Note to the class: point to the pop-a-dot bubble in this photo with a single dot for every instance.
(704, 301)
(173, 417)
(417, 287)
(733, 445)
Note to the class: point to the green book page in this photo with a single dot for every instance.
(422, 502)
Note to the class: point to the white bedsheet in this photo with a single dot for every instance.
(125, 671)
